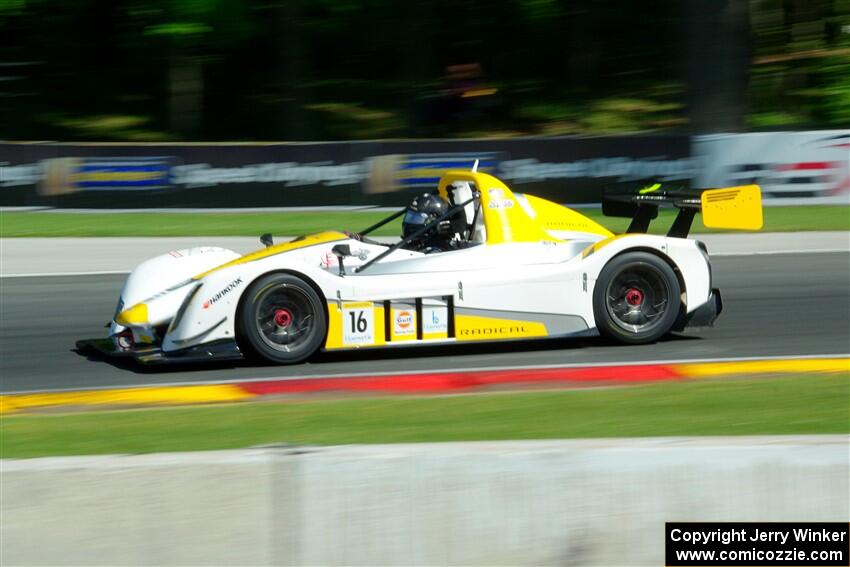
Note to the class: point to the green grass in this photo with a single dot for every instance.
(19, 224)
(187, 224)
(753, 406)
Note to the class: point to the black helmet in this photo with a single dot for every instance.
(424, 209)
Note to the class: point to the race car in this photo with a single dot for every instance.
(477, 262)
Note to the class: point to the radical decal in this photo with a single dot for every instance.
(476, 327)
(500, 331)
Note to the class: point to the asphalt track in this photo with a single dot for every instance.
(775, 305)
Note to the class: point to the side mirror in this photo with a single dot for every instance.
(267, 240)
(341, 251)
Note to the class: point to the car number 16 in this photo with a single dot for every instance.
(358, 323)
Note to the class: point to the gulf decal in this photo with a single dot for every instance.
(403, 322)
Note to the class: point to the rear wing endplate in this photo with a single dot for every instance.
(736, 208)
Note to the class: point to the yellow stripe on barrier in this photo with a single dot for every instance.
(782, 366)
(177, 395)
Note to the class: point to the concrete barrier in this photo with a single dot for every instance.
(581, 502)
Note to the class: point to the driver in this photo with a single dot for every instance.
(425, 209)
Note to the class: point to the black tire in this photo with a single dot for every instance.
(280, 320)
(636, 299)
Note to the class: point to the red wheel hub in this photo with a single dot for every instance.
(634, 296)
(282, 317)
(125, 339)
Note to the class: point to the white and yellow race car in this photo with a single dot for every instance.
(507, 266)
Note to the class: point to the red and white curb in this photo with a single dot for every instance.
(442, 382)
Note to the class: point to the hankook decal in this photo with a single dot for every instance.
(217, 297)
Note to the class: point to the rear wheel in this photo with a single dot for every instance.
(281, 320)
(636, 298)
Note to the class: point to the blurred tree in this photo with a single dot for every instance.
(194, 30)
(318, 69)
(800, 73)
(718, 61)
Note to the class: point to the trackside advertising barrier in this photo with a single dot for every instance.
(791, 167)
(315, 174)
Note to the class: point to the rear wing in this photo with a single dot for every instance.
(736, 208)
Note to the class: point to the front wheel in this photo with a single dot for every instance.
(281, 320)
(636, 298)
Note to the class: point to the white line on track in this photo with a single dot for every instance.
(714, 255)
(436, 371)
(773, 252)
(65, 274)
